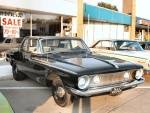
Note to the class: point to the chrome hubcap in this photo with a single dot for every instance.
(60, 92)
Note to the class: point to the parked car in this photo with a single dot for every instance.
(145, 45)
(9, 43)
(124, 49)
(66, 64)
(5, 107)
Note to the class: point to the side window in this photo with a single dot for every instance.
(99, 44)
(34, 46)
(25, 45)
(7, 40)
(106, 45)
(12, 41)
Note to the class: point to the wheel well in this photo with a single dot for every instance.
(50, 78)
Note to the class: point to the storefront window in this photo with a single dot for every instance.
(44, 25)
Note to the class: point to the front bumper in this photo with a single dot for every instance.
(146, 71)
(96, 91)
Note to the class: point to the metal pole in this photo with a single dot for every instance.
(61, 25)
(148, 32)
(133, 24)
(30, 24)
(88, 26)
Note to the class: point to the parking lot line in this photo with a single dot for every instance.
(143, 87)
(24, 88)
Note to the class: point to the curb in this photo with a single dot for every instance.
(2, 58)
(8, 77)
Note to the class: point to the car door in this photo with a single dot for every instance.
(21, 59)
(34, 68)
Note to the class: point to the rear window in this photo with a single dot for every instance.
(7, 40)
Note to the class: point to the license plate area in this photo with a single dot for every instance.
(116, 91)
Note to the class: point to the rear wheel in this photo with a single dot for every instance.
(60, 95)
(17, 75)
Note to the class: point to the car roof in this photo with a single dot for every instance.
(97, 41)
(115, 40)
(52, 37)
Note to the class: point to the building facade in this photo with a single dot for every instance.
(141, 24)
(102, 23)
(48, 17)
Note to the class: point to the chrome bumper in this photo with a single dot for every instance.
(146, 70)
(91, 92)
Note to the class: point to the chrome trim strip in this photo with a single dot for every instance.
(47, 63)
(95, 91)
(121, 55)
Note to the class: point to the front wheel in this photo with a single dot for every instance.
(60, 95)
(17, 75)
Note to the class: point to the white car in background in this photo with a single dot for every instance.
(9, 43)
(124, 49)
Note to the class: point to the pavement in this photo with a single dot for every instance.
(29, 96)
(5, 70)
(1, 59)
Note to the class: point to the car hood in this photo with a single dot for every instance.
(92, 64)
(4, 105)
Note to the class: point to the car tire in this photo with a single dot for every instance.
(17, 75)
(60, 95)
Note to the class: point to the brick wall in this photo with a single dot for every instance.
(127, 6)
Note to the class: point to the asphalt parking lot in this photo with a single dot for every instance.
(28, 96)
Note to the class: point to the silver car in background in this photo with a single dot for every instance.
(9, 43)
(129, 50)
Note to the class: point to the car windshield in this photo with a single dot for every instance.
(128, 45)
(63, 45)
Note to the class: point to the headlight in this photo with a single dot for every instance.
(96, 80)
(138, 74)
(83, 82)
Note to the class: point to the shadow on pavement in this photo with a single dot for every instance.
(85, 105)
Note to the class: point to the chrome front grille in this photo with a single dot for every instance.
(112, 78)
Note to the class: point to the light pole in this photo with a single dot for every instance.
(132, 33)
(148, 31)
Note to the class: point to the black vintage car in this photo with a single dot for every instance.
(71, 69)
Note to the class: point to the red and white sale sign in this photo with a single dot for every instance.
(11, 26)
(11, 21)
(11, 31)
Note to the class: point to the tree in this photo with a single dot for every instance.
(108, 6)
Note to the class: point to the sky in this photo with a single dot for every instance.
(142, 6)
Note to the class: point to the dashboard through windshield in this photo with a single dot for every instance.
(60, 45)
